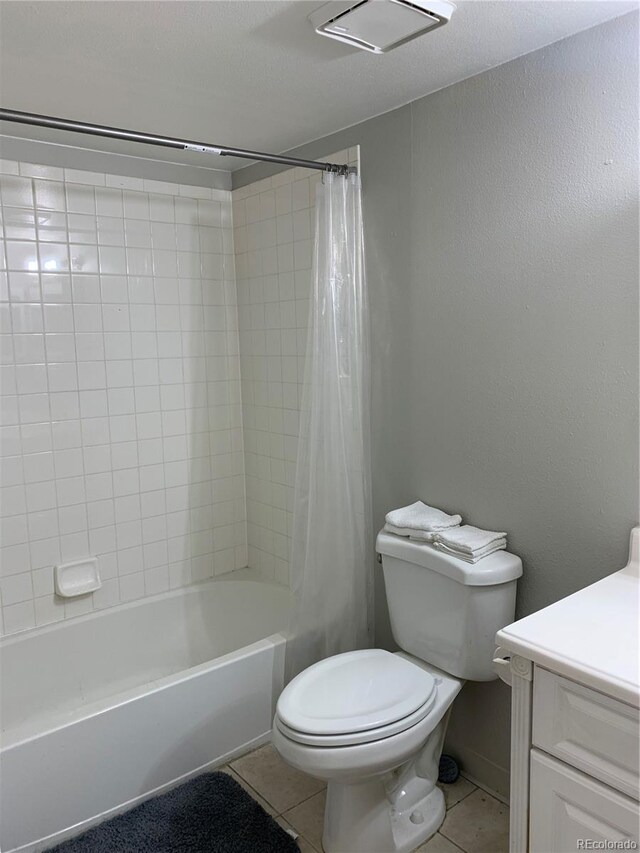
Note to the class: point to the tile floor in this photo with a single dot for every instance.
(475, 822)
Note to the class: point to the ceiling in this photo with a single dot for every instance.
(244, 73)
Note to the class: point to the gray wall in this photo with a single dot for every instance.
(502, 250)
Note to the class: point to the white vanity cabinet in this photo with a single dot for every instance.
(574, 670)
(568, 809)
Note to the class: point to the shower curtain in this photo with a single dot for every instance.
(332, 551)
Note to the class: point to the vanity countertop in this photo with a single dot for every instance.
(592, 636)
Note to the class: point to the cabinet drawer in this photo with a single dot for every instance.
(569, 809)
(591, 731)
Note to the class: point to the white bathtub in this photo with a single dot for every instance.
(101, 711)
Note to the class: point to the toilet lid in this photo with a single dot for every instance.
(354, 692)
(355, 738)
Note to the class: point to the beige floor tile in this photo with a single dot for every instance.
(308, 818)
(280, 785)
(456, 792)
(478, 824)
(306, 846)
(438, 844)
(256, 796)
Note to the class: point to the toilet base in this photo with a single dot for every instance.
(359, 818)
(381, 795)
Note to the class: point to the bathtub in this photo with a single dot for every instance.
(102, 711)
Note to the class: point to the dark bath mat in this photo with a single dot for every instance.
(208, 814)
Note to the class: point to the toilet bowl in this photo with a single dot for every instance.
(371, 723)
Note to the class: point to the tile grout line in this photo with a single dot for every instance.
(503, 801)
(300, 835)
(283, 814)
(280, 814)
(468, 794)
(441, 827)
(477, 788)
(457, 846)
(251, 788)
(306, 800)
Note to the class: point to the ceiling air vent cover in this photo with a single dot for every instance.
(380, 25)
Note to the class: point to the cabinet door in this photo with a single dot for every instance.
(569, 809)
(593, 732)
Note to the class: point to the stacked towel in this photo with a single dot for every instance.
(419, 521)
(470, 543)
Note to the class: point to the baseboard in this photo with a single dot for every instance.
(496, 794)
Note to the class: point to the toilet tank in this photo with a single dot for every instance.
(446, 611)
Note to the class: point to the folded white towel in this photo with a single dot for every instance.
(497, 545)
(419, 516)
(418, 535)
(469, 540)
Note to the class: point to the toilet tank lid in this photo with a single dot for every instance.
(497, 568)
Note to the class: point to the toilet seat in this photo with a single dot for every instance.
(354, 738)
(354, 698)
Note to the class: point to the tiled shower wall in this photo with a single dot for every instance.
(273, 223)
(121, 419)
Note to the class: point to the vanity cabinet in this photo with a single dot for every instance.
(568, 807)
(587, 730)
(575, 719)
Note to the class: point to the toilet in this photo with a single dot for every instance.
(371, 723)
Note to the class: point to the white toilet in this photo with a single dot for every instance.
(372, 723)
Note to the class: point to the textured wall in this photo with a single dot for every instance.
(502, 238)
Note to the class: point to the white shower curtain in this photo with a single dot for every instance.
(332, 550)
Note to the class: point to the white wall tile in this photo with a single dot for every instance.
(48, 609)
(78, 176)
(80, 198)
(109, 202)
(10, 167)
(109, 390)
(273, 232)
(152, 400)
(18, 617)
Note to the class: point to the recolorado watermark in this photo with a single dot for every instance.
(592, 844)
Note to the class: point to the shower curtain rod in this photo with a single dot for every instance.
(166, 141)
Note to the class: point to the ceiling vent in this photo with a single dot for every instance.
(380, 25)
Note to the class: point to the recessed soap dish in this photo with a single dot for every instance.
(78, 578)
